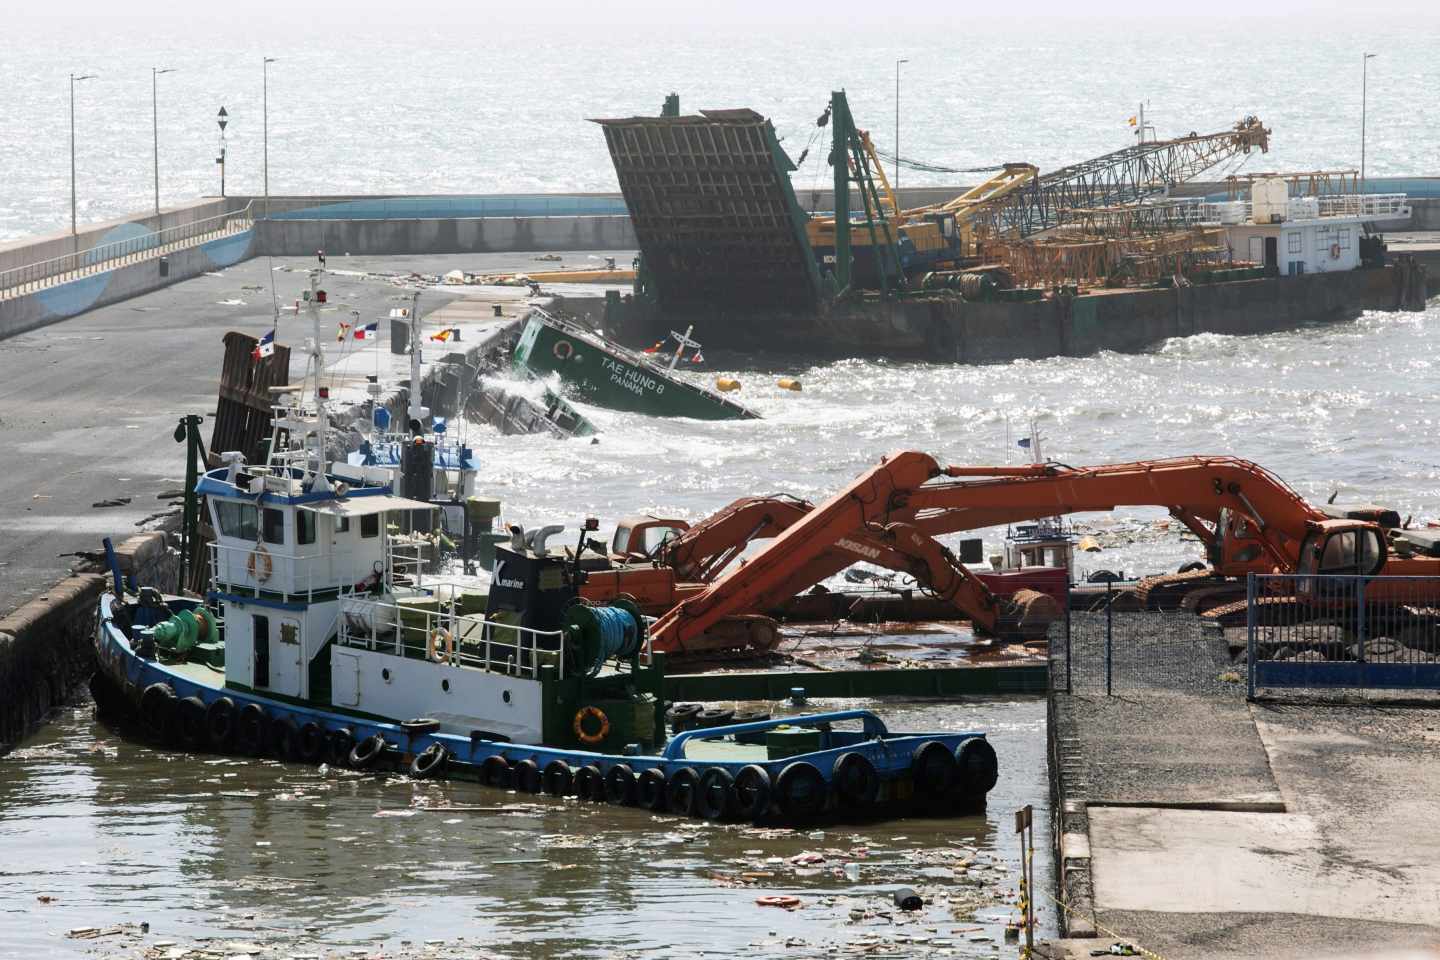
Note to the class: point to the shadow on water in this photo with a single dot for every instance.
(285, 858)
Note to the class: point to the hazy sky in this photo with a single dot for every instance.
(507, 16)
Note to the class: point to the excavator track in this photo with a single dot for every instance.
(1168, 590)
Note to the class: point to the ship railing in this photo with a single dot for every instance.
(21, 280)
(272, 570)
(438, 630)
(405, 561)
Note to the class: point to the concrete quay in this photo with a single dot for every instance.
(1192, 823)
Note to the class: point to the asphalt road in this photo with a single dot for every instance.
(88, 406)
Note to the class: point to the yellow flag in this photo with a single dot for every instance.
(1133, 121)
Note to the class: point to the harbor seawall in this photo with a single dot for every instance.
(47, 644)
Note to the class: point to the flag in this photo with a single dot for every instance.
(443, 335)
(1133, 121)
(265, 348)
(340, 333)
(697, 358)
(1025, 442)
(655, 347)
(369, 331)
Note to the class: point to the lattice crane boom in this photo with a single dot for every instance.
(1136, 173)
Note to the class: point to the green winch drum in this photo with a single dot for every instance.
(595, 634)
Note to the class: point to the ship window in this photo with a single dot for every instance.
(304, 527)
(274, 524)
(236, 519)
(370, 525)
(1343, 237)
(342, 524)
(1294, 241)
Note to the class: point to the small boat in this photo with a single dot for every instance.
(604, 373)
(324, 638)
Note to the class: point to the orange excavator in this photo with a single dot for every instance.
(1249, 518)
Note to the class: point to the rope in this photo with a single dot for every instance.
(1098, 926)
(926, 167)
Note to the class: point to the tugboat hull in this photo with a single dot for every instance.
(787, 770)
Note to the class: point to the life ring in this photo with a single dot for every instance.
(778, 901)
(259, 565)
(1334, 251)
(563, 349)
(589, 713)
(436, 638)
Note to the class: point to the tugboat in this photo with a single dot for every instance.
(607, 374)
(323, 638)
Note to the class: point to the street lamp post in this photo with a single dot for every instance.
(222, 119)
(897, 128)
(1364, 97)
(155, 114)
(74, 231)
(265, 128)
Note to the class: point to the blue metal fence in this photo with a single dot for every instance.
(1345, 632)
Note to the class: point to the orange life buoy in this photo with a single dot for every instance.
(437, 637)
(563, 349)
(1334, 251)
(259, 565)
(778, 901)
(589, 713)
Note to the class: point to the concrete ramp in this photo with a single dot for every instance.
(714, 213)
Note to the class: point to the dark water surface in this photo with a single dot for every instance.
(279, 860)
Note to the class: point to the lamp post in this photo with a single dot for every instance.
(897, 128)
(1364, 97)
(74, 232)
(265, 127)
(155, 114)
(222, 119)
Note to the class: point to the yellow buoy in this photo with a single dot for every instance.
(726, 384)
(1089, 544)
(788, 383)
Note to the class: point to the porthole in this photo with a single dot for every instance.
(505, 696)
(385, 674)
(445, 685)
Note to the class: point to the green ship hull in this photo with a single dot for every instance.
(608, 375)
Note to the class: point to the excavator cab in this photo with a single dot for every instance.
(1339, 547)
(643, 538)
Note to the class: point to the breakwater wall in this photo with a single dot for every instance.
(47, 645)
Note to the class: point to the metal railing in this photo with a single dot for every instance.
(1374, 206)
(106, 256)
(438, 630)
(1329, 632)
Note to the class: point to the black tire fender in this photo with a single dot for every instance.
(190, 722)
(620, 785)
(715, 798)
(752, 792)
(527, 776)
(801, 791)
(220, 723)
(311, 742)
(680, 792)
(496, 772)
(339, 744)
(364, 754)
(589, 784)
(252, 728)
(650, 790)
(933, 770)
(430, 762)
(559, 781)
(855, 781)
(157, 709)
(979, 769)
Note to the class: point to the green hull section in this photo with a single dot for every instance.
(608, 375)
